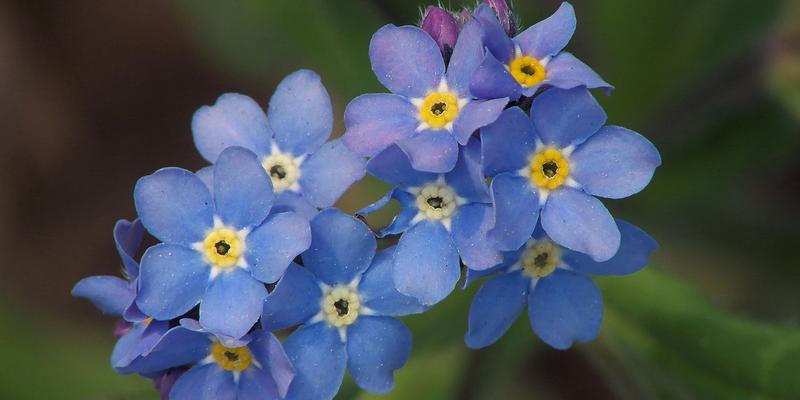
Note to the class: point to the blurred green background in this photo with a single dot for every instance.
(94, 94)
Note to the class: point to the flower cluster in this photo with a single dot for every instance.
(496, 151)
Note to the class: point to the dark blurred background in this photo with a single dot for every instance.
(94, 94)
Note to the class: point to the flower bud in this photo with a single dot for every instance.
(442, 28)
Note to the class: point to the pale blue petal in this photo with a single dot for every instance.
(426, 263)
(171, 281)
(507, 143)
(109, 294)
(376, 347)
(207, 382)
(566, 117)
(566, 72)
(549, 36)
(431, 151)
(406, 60)
(242, 188)
(495, 307)
(470, 226)
(274, 244)
(232, 303)
(267, 349)
(516, 210)
(300, 113)
(375, 121)
(634, 252)
(392, 166)
(377, 289)
(342, 247)
(295, 300)
(234, 120)
(329, 172)
(476, 114)
(319, 358)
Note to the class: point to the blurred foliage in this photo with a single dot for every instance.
(707, 81)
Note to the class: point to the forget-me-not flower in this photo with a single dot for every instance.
(344, 298)
(218, 248)
(520, 66)
(556, 161)
(289, 140)
(564, 304)
(444, 216)
(432, 109)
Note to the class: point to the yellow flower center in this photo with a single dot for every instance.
(283, 170)
(223, 247)
(540, 259)
(340, 306)
(439, 109)
(231, 358)
(527, 71)
(549, 169)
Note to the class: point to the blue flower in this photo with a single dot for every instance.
(218, 249)
(564, 305)
(253, 368)
(431, 110)
(444, 216)
(306, 172)
(345, 301)
(520, 66)
(556, 161)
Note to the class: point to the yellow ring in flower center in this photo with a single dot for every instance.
(223, 247)
(549, 169)
(439, 109)
(540, 259)
(527, 71)
(231, 358)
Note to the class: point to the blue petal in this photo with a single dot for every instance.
(507, 143)
(614, 163)
(374, 121)
(580, 222)
(342, 247)
(566, 117)
(257, 384)
(549, 36)
(509, 259)
(288, 201)
(516, 210)
(328, 173)
(475, 115)
(128, 239)
(392, 166)
(406, 60)
(171, 281)
(565, 307)
(139, 341)
(634, 252)
(431, 151)
(467, 178)
(232, 303)
(319, 358)
(110, 294)
(470, 226)
(401, 221)
(207, 382)
(174, 205)
(269, 352)
(300, 113)
(179, 346)
(242, 188)
(467, 56)
(566, 72)
(206, 174)
(495, 37)
(378, 293)
(426, 264)
(376, 347)
(234, 120)
(295, 300)
(274, 244)
(493, 81)
(495, 307)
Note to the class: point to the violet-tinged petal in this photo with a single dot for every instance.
(495, 37)
(393, 166)
(376, 347)
(614, 163)
(566, 72)
(580, 222)
(234, 120)
(466, 178)
(128, 239)
(375, 121)
(272, 246)
(495, 307)
(491, 80)
(109, 294)
(507, 143)
(470, 226)
(634, 252)
(566, 117)
(329, 172)
(232, 304)
(174, 205)
(406, 60)
(267, 349)
(172, 280)
(505, 15)
(206, 382)
(565, 307)
(288, 201)
(431, 151)
(426, 263)
(319, 358)
(242, 188)
(300, 113)
(179, 346)
(549, 36)
(256, 384)
(475, 115)
(467, 56)
(516, 210)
